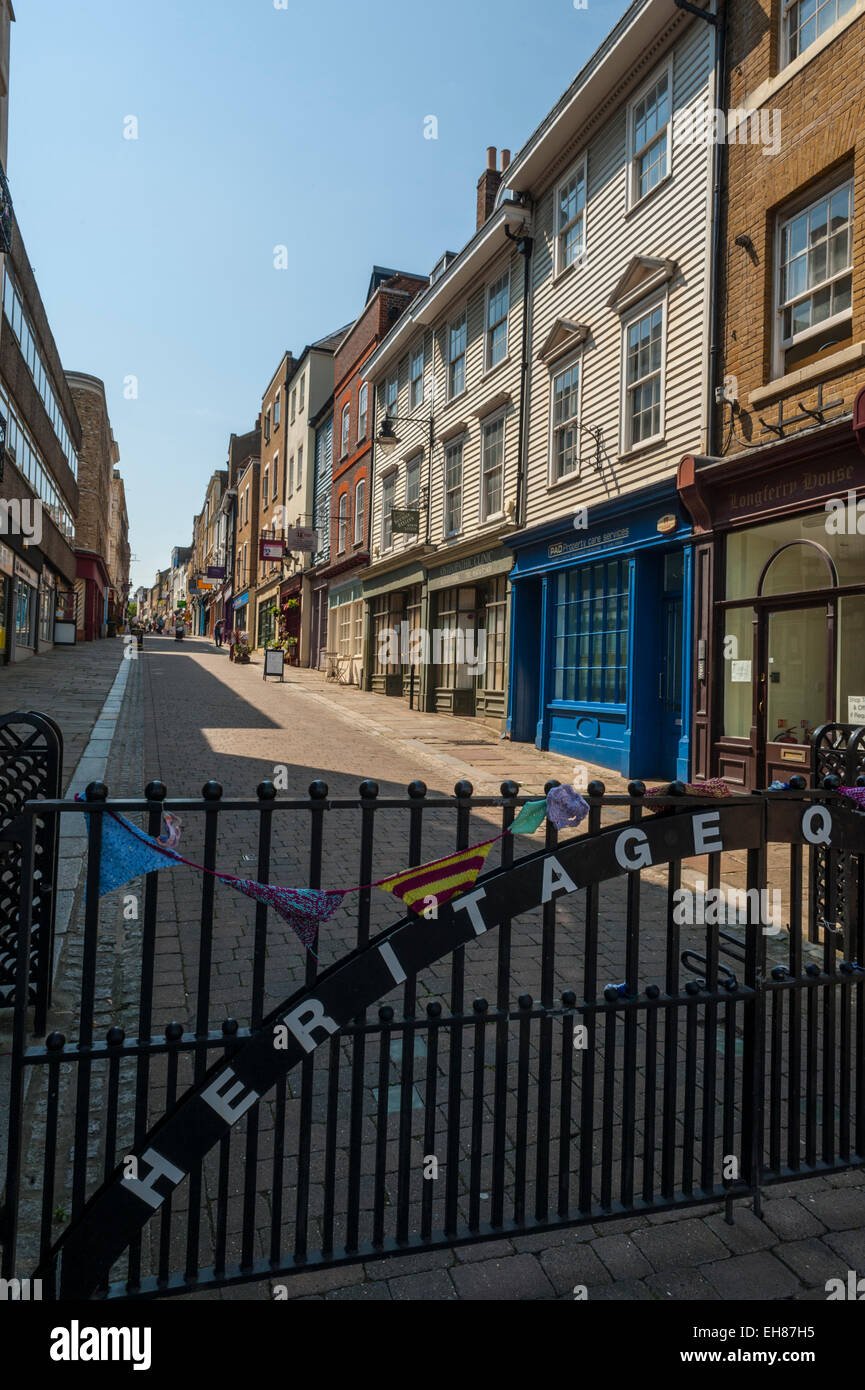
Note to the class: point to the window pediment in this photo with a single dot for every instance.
(564, 336)
(643, 275)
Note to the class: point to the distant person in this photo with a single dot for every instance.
(217, 632)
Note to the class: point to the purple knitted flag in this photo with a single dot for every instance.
(565, 807)
(301, 908)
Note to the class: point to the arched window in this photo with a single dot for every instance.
(798, 567)
(359, 496)
(342, 522)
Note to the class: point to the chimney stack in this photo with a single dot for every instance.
(488, 187)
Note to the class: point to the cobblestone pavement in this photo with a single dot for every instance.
(190, 715)
(68, 683)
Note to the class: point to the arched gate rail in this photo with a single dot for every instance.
(615, 1057)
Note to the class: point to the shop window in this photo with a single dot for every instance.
(798, 569)
(851, 658)
(815, 278)
(46, 615)
(24, 616)
(591, 626)
(456, 623)
(493, 677)
(412, 617)
(357, 610)
(737, 653)
(386, 617)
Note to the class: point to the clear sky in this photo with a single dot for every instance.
(258, 126)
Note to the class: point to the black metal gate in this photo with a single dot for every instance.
(558, 1046)
(31, 768)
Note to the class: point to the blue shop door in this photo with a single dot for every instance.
(670, 675)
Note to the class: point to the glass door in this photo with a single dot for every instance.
(795, 698)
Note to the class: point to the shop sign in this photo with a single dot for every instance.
(216, 571)
(301, 538)
(25, 572)
(667, 523)
(404, 521)
(7, 560)
(740, 671)
(856, 709)
(792, 490)
(271, 550)
(588, 543)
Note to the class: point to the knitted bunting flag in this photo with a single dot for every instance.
(439, 881)
(127, 853)
(533, 814)
(301, 908)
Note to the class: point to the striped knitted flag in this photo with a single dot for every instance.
(433, 884)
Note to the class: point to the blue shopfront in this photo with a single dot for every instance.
(600, 636)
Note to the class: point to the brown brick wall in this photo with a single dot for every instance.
(822, 129)
(95, 467)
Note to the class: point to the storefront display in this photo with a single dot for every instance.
(779, 603)
(600, 636)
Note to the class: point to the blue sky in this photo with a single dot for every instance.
(257, 127)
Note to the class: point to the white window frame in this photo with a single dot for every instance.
(497, 417)
(267, 427)
(342, 523)
(290, 492)
(786, 11)
(362, 410)
(359, 527)
(558, 369)
(640, 311)
(275, 474)
(451, 445)
(489, 327)
(789, 214)
(276, 411)
(388, 479)
(345, 430)
(635, 198)
(413, 465)
(575, 171)
(299, 479)
(451, 394)
(264, 491)
(293, 412)
(391, 407)
(302, 399)
(418, 352)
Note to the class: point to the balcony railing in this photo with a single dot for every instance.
(6, 219)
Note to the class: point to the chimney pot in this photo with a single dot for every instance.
(491, 156)
(506, 159)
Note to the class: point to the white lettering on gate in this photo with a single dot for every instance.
(226, 1103)
(160, 1168)
(555, 879)
(305, 1019)
(470, 903)
(389, 957)
(643, 857)
(819, 834)
(706, 833)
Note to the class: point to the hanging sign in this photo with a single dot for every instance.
(404, 522)
(216, 571)
(300, 538)
(271, 550)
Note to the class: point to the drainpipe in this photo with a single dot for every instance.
(718, 21)
(524, 246)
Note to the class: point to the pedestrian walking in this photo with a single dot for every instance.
(217, 632)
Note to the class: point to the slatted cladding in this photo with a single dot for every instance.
(672, 223)
(482, 389)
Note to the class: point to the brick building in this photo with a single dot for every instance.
(97, 457)
(389, 294)
(118, 552)
(779, 564)
(246, 544)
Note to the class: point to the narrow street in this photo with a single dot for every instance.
(189, 715)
